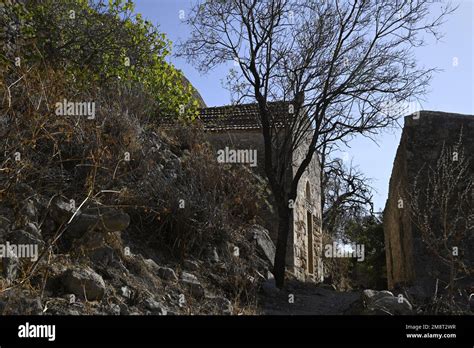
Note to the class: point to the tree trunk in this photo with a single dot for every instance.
(282, 243)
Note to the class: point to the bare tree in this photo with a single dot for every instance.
(440, 203)
(339, 62)
(346, 196)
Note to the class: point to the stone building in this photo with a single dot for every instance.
(239, 128)
(409, 260)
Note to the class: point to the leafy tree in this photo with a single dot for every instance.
(368, 231)
(99, 42)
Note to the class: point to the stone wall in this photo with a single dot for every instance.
(408, 260)
(308, 201)
(297, 253)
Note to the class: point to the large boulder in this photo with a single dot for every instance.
(155, 307)
(166, 273)
(33, 229)
(221, 304)
(152, 265)
(20, 302)
(191, 265)
(264, 243)
(61, 210)
(113, 220)
(191, 282)
(84, 283)
(17, 245)
(384, 302)
(98, 218)
(10, 266)
(103, 255)
(21, 237)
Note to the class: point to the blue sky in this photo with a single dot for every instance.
(451, 89)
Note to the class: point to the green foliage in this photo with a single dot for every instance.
(369, 232)
(106, 43)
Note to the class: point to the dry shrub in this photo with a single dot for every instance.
(78, 157)
(196, 201)
(69, 154)
(172, 186)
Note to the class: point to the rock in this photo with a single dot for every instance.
(19, 302)
(393, 305)
(25, 238)
(10, 267)
(223, 304)
(102, 255)
(155, 307)
(7, 216)
(16, 247)
(126, 292)
(32, 229)
(370, 295)
(185, 276)
(191, 265)
(268, 286)
(152, 265)
(383, 302)
(167, 273)
(84, 283)
(264, 243)
(114, 220)
(212, 255)
(29, 210)
(30, 306)
(81, 224)
(124, 309)
(114, 309)
(109, 221)
(61, 210)
(191, 282)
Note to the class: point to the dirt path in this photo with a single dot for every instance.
(309, 299)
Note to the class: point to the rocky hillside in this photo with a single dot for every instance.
(94, 257)
(102, 209)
